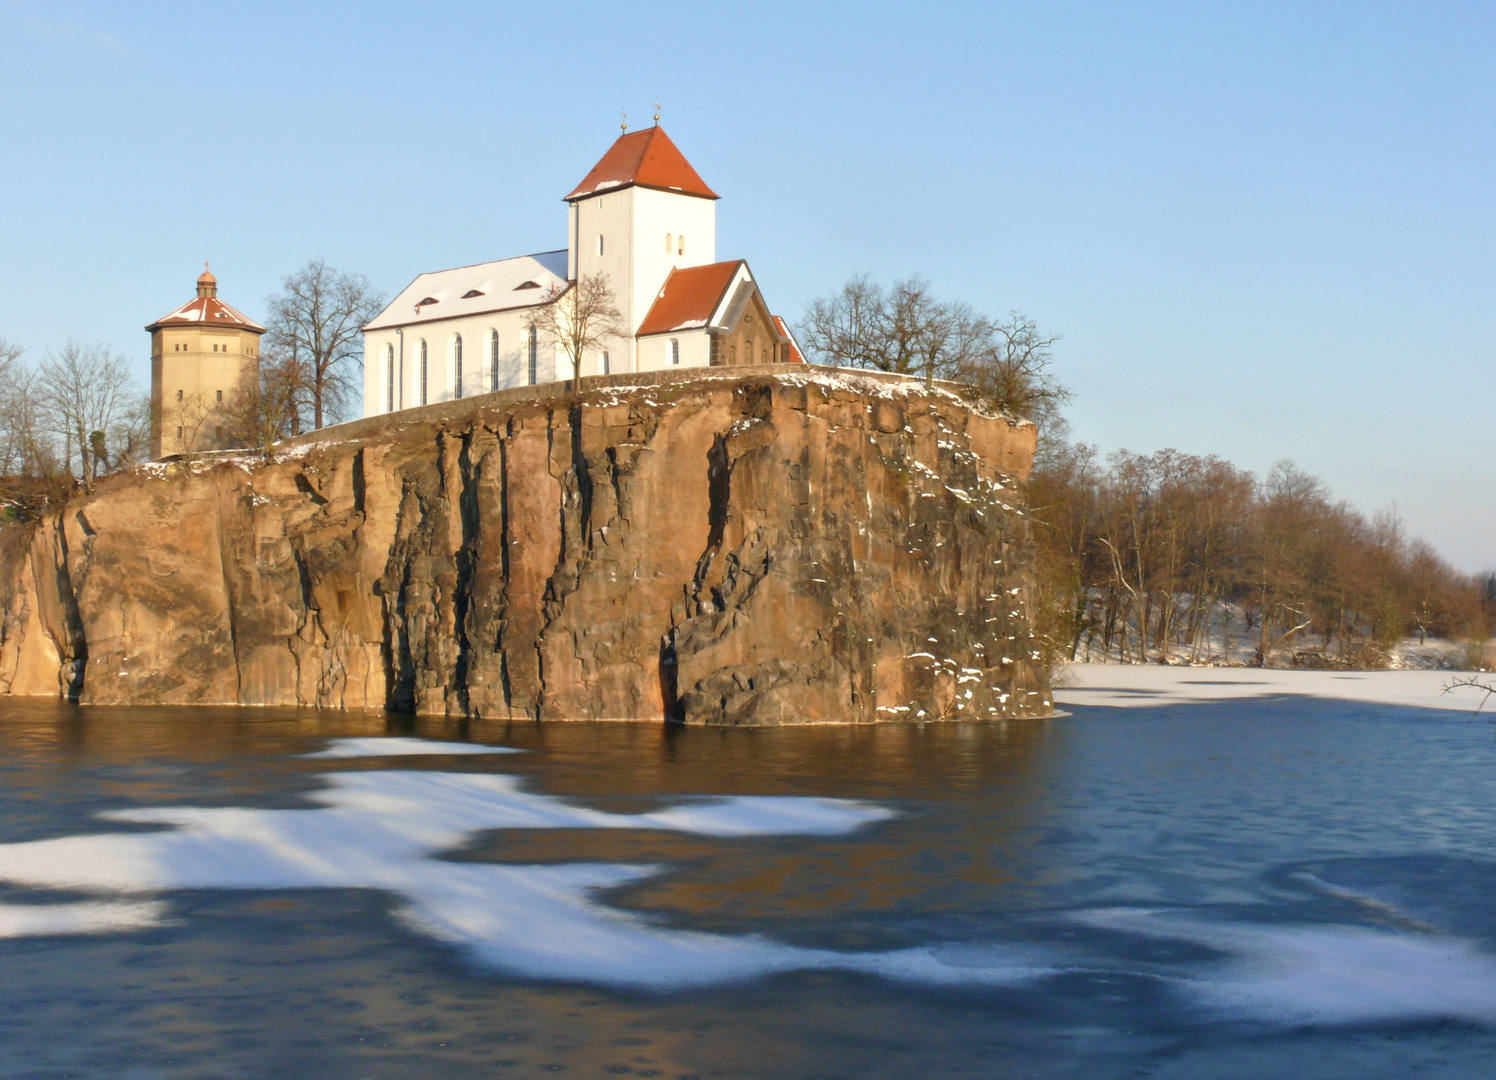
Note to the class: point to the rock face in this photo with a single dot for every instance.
(771, 545)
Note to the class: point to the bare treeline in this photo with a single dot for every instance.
(70, 418)
(1145, 557)
(907, 329)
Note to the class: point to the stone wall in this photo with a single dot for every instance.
(762, 546)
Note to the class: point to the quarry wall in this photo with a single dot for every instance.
(769, 545)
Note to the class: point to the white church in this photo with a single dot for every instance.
(645, 220)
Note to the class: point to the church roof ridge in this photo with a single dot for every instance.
(643, 158)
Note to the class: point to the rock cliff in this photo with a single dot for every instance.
(757, 546)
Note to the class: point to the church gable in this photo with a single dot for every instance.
(747, 332)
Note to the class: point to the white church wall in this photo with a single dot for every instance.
(658, 214)
(441, 376)
(655, 352)
(610, 216)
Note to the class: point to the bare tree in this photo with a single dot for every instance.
(907, 329)
(84, 389)
(315, 324)
(1011, 369)
(581, 320)
(9, 353)
(266, 408)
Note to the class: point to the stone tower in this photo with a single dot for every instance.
(201, 355)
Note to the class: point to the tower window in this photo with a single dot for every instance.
(423, 371)
(493, 360)
(220, 395)
(179, 395)
(534, 355)
(675, 350)
(457, 365)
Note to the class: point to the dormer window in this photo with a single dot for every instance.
(527, 285)
(472, 293)
(427, 301)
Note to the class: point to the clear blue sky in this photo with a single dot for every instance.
(1263, 231)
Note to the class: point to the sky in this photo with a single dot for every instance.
(1261, 231)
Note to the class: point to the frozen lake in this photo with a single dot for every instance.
(1193, 874)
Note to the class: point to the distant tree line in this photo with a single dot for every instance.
(1144, 557)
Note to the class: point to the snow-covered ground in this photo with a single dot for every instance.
(1132, 685)
(1229, 640)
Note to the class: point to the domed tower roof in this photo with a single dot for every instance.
(205, 309)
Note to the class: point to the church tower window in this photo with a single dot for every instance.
(493, 360)
(534, 355)
(457, 365)
(423, 371)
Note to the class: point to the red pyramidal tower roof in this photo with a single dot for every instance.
(647, 158)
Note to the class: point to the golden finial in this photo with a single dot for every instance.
(657, 112)
(624, 127)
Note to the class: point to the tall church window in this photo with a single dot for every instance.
(493, 360)
(534, 355)
(681, 240)
(599, 243)
(675, 350)
(389, 378)
(669, 244)
(423, 371)
(606, 365)
(457, 365)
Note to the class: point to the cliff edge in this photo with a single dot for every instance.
(770, 545)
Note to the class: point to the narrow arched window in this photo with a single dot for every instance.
(423, 371)
(682, 242)
(675, 350)
(457, 365)
(669, 244)
(389, 378)
(534, 356)
(493, 360)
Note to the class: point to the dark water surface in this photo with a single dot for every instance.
(1245, 889)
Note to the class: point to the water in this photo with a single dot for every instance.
(1248, 888)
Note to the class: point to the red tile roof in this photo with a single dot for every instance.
(647, 158)
(688, 298)
(793, 352)
(206, 311)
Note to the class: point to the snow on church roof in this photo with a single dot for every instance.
(647, 158)
(689, 298)
(524, 281)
